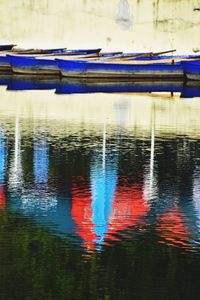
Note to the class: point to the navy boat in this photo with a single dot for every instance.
(192, 69)
(5, 64)
(6, 47)
(120, 69)
(45, 64)
(31, 65)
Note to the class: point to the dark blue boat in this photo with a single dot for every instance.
(192, 69)
(73, 68)
(4, 64)
(31, 65)
(43, 65)
(6, 47)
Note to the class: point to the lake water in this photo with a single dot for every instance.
(99, 192)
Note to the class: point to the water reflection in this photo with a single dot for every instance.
(99, 183)
(188, 89)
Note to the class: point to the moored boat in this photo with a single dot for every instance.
(45, 64)
(191, 69)
(74, 68)
(57, 51)
(8, 47)
(4, 64)
(31, 65)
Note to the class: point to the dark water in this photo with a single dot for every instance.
(99, 196)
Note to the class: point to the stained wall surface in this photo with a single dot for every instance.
(115, 24)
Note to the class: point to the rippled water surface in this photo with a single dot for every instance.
(99, 195)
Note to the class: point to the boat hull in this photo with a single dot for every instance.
(31, 65)
(4, 64)
(118, 70)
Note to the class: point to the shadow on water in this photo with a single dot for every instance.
(188, 89)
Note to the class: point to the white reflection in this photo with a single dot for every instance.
(16, 172)
(150, 180)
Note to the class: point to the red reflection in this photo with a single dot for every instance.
(173, 229)
(82, 213)
(2, 198)
(128, 209)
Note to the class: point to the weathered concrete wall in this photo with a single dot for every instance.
(114, 24)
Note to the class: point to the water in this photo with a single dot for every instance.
(99, 195)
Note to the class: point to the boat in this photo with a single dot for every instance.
(31, 65)
(119, 69)
(46, 64)
(191, 69)
(8, 47)
(58, 51)
(4, 64)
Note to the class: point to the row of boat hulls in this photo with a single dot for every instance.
(95, 65)
(5, 56)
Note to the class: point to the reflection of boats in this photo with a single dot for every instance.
(191, 89)
(21, 82)
(67, 86)
(192, 69)
(187, 89)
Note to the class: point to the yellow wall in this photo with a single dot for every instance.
(112, 24)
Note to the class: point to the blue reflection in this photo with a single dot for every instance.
(41, 158)
(103, 179)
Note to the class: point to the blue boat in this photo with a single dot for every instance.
(192, 69)
(73, 68)
(4, 64)
(44, 65)
(31, 65)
